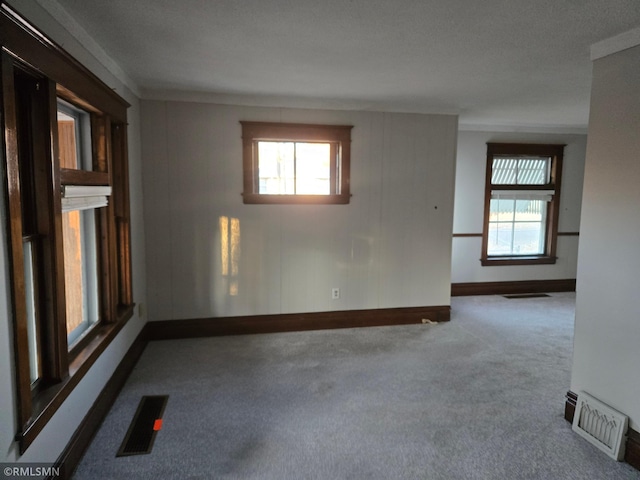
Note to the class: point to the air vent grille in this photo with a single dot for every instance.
(144, 426)
(516, 296)
(601, 425)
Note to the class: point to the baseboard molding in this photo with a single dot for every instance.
(208, 327)
(632, 451)
(75, 449)
(503, 288)
(570, 404)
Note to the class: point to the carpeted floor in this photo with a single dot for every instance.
(480, 397)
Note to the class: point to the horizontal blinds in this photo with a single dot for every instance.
(544, 195)
(84, 197)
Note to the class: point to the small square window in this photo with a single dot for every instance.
(296, 163)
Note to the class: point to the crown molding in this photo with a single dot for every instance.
(615, 44)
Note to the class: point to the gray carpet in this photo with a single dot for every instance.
(480, 397)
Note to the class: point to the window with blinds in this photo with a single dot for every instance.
(522, 193)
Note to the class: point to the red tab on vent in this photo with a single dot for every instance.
(157, 425)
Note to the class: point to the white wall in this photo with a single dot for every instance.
(54, 437)
(607, 331)
(390, 247)
(469, 208)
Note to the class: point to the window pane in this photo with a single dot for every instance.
(313, 168)
(528, 238)
(521, 171)
(533, 171)
(500, 239)
(504, 171)
(276, 170)
(32, 332)
(530, 210)
(81, 272)
(501, 210)
(74, 137)
(517, 227)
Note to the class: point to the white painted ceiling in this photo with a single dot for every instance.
(518, 63)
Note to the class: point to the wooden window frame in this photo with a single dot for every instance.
(26, 49)
(339, 136)
(553, 151)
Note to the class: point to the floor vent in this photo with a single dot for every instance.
(601, 425)
(144, 426)
(512, 296)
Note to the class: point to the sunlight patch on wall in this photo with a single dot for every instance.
(230, 252)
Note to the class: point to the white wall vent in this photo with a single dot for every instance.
(601, 425)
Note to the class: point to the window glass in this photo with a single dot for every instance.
(80, 271)
(294, 168)
(296, 163)
(74, 137)
(276, 166)
(520, 171)
(313, 168)
(517, 227)
(30, 290)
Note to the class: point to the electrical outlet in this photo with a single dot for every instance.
(335, 293)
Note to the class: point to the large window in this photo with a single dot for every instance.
(522, 193)
(67, 217)
(294, 163)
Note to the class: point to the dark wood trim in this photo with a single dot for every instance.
(79, 442)
(503, 288)
(571, 401)
(206, 327)
(256, 198)
(9, 144)
(35, 71)
(83, 177)
(24, 41)
(632, 450)
(295, 132)
(555, 152)
(538, 149)
(47, 402)
(339, 136)
(553, 211)
(560, 234)
(518, 260)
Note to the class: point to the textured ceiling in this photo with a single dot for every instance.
(500, 62)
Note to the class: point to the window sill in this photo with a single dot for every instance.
(48, 400)
(518, 260)
(255, 198)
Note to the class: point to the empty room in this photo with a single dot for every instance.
(342, 239)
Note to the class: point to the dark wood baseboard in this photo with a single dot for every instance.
(632, 450)
(207, 327)
(504, 288)
(570, 406)
(75, 449)
(632, 453)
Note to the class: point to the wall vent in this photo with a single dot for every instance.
(601, 425)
